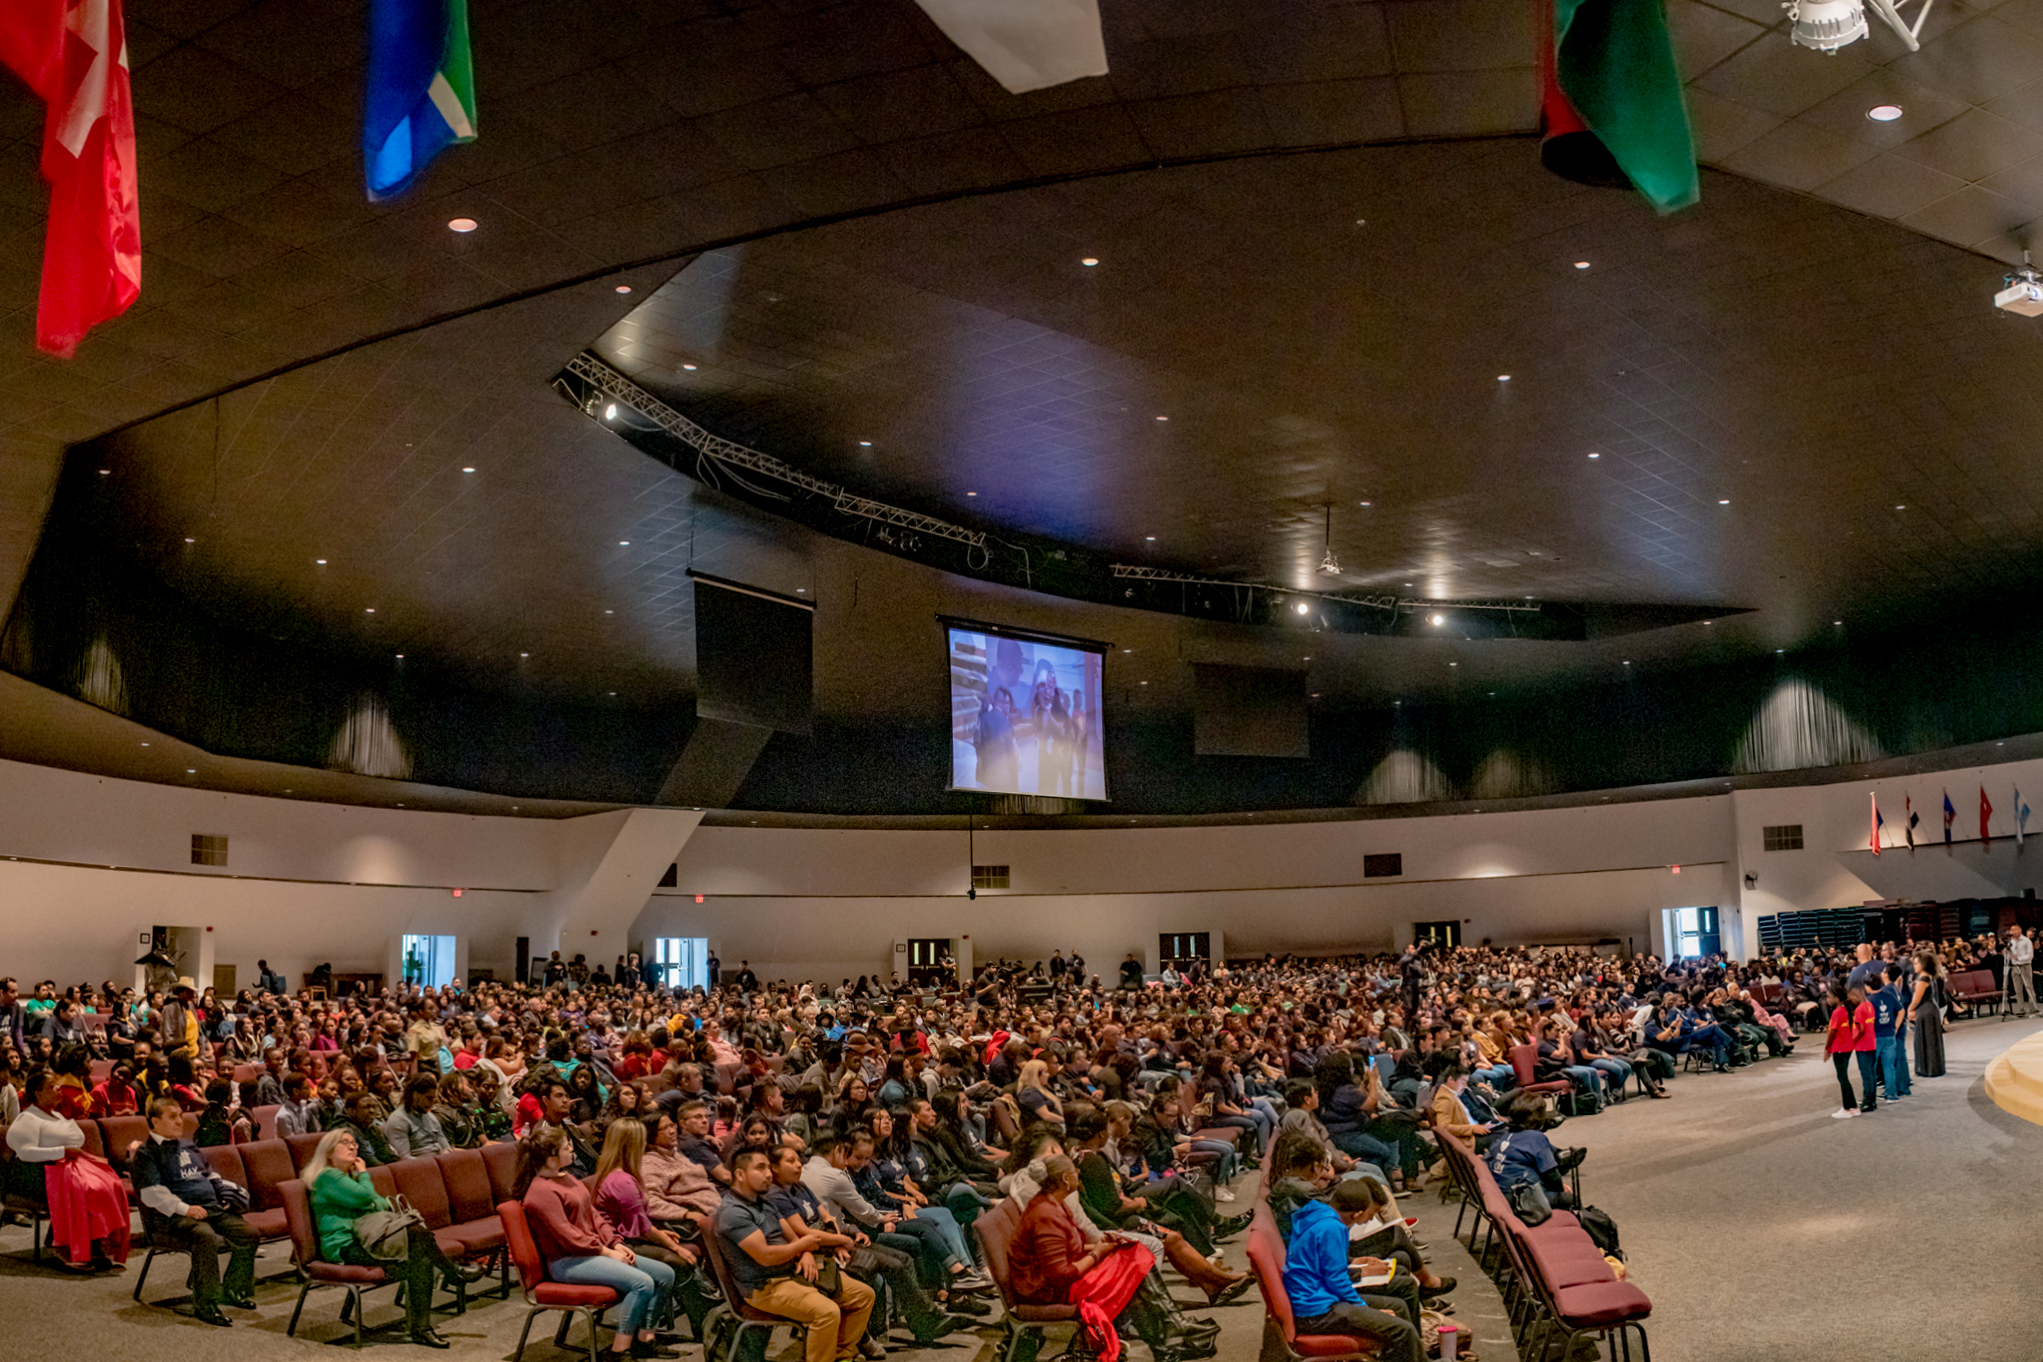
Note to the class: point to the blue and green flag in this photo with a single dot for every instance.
(421, 89)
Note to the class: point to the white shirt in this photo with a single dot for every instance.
(38, 1137)
(2021, 950)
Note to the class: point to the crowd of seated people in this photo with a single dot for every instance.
(843, 1140)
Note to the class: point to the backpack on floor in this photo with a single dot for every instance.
(1601, 1229)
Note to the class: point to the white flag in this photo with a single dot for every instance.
(1025, 44)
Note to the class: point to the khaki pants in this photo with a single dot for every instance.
(2021, 989)
(835, 1326)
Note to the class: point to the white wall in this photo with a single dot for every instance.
(345, 882)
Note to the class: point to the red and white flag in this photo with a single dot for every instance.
(74, 55)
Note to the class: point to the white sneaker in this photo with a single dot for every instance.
(1844, 1113)
(1221, 1194)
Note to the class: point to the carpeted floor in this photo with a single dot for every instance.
(1761, 1228)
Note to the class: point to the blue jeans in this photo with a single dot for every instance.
(1587, 1076)
(1615, 1068)
(1894, 1065)
(647, 1286)
(947, 1225)
(1868, 1062)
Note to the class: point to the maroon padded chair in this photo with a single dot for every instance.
(995, 1229)
(268, 1165)
(301, 1147)
(471, 1206)
(422, 1183)
(500, 1157)
(313, 1269)
(265, 1119)
(1280, 1326)
(1524, 1058)
(542, 1295)
(224, 1160)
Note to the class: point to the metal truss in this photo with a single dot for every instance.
(1404, 605)
(607, 382)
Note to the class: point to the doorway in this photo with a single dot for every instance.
(681, 962)
(428, 960)
(1692, 933)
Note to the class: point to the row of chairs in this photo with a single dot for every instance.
(1557, 1284)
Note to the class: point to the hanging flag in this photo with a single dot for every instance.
(1025, 44)
(1908, 827)
(1878, 823)
(1950, 814)
(74, 55)
(421, 94)
(1985, 812)
(1614, 63)
(2021, 816)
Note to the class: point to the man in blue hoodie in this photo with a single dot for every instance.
(1323, 1299)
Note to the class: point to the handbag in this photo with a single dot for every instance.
(386, 1234)
(829, 1275)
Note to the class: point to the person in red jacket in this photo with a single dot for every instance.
(1851, 1035)
(1050, 1264)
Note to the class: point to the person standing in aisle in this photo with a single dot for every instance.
(2021, 989)
(1890, 1034)
(1842, 1046)
(1926, 1010)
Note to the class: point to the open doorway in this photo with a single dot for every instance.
(1692, 933)
(428, 960)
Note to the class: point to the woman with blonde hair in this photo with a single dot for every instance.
(1038, 1104)
(621, 1204)
(337, 1184)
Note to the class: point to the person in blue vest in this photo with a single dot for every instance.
(1323, 1297)
(198, 1210)
(1526, 1159)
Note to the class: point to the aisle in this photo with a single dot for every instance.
(1764, 1230)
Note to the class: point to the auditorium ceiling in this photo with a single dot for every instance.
(1323, 236)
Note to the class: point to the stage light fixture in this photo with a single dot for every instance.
(1436, 619)
(1884, 113)
(610, 412)
(1302, 607)
(461, 225)
(1827, 25)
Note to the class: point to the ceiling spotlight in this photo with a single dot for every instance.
(369, 610)
(610, 412)
(191, 770)
(1361, 503)
(624, 288)
(971, 494)
(1723, 501)
(524, 654)
(688, 366)
(1163, 418)
(104, 471)
(1884, 113)
(1149, 538)
(1902, 507)
(1503, 378)
(1454, 664)
(461, 225)
(400, 657)
(1302, 607)
(1595, 455)
(1090, 261)
(1436, 619)
(1827, 25)
(320, 561)
(1581, 264)
(189, 540)
(865, 444)
(1837, 622)
(624, 543)
(468, 468)
(145, 744)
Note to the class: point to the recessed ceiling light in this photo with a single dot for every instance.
(1454, 664)
(1723, 501)
(624, 288)
(613, 692)
(369, 610)
(1090, 261)
(1163, 418)
(1127, 650)
(609, 612)
(461, 225)
(1884, 113)
(1595, 455)
(624, 543)
(1837, 621)
(688, 366)
(468, 468)
(104, 471)
(191, 770)
(1628, 662)
(400, 657)
(971, 494)
(1901, 507)
(524, 654)
(1141, 683)
(1503, 378)
(1150, 538)
(801, 591)
(865, 444)
(189, 540)
(320, 562)
(145, 744)
(1581, 264)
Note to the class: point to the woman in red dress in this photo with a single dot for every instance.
(88, 1205)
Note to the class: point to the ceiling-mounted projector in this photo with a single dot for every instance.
(1827, 25)
(2024, 293)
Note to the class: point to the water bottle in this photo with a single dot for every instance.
(1450, 1342)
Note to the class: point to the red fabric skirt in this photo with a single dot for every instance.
(87, 1202)
(1103, 1293)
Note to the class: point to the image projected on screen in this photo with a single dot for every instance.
(1025, 717)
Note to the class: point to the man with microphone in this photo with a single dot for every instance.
(2021, 986)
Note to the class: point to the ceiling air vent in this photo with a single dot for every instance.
(208, 850)
(989, 877)
(1383, 865)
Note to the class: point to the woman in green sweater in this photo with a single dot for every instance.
(337, 1183)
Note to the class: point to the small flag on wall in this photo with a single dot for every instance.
(1950, 816)
(2021, 816)
(1908, 826)
(1985, 812)
(421, 95)
(1878, 823)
